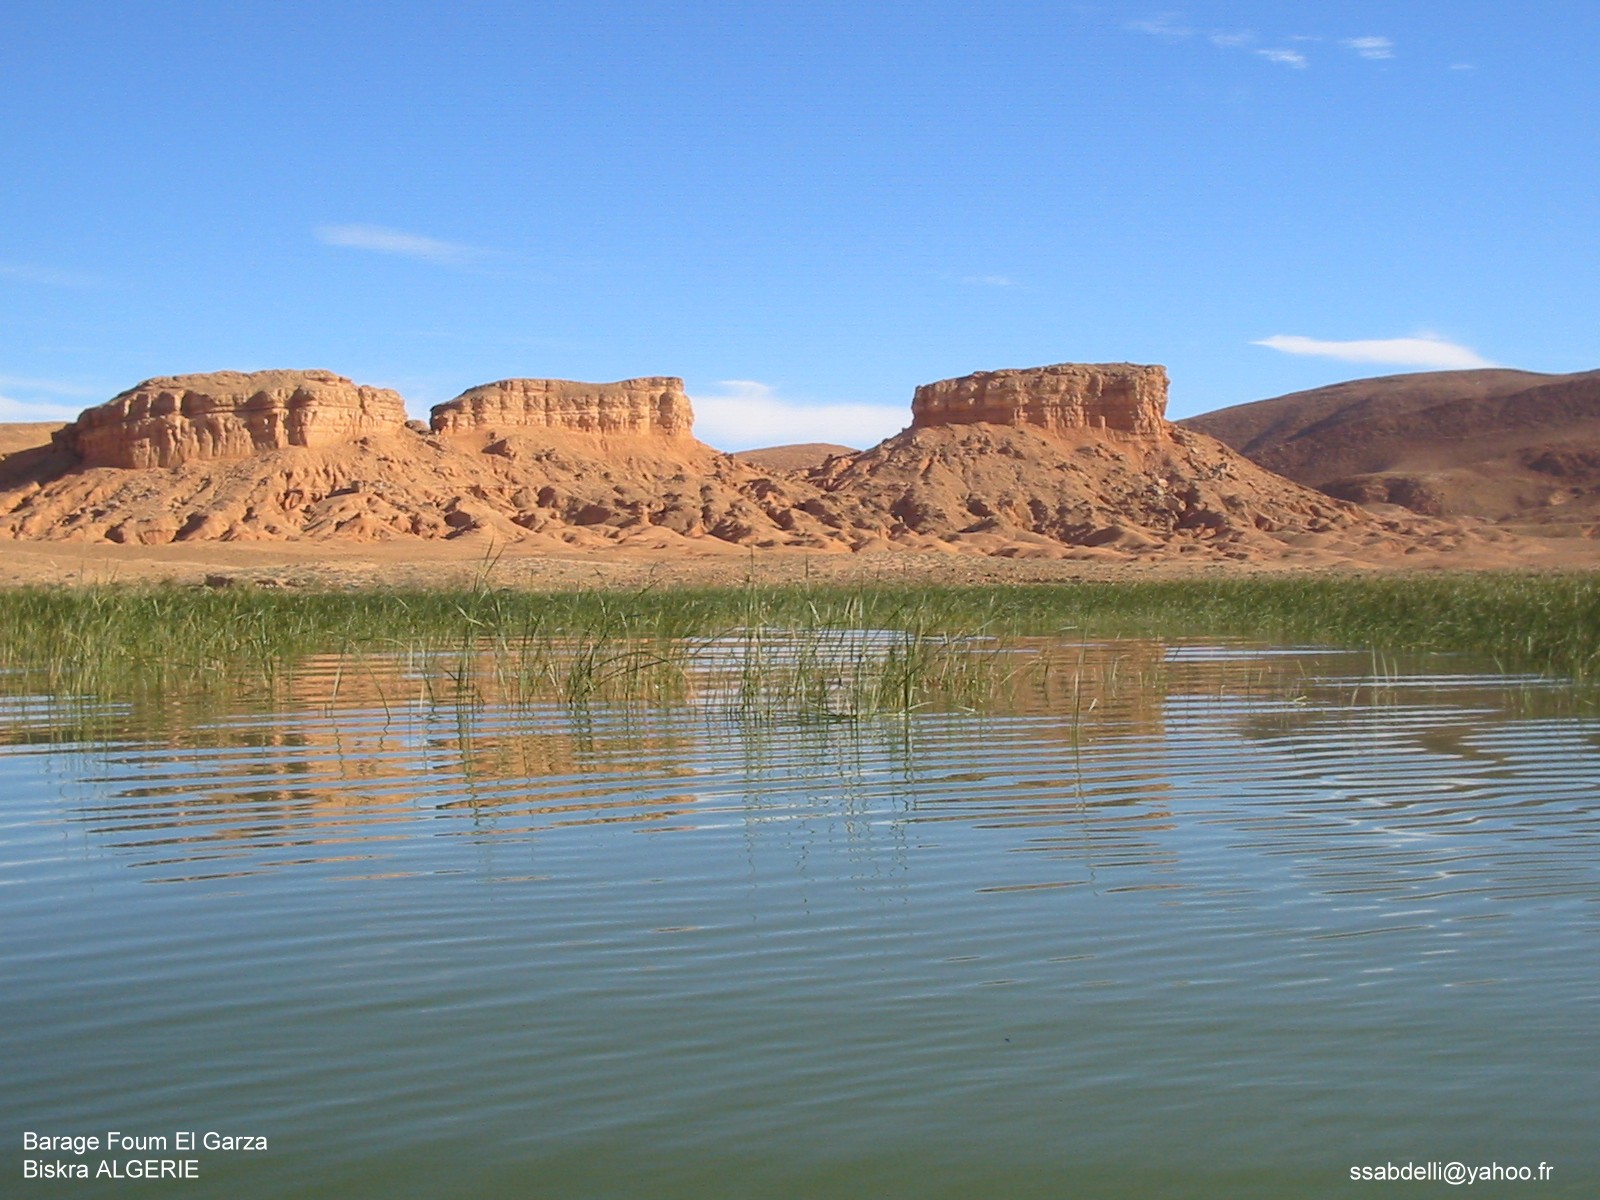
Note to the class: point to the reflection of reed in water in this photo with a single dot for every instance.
(1072, 752)
(351, 754)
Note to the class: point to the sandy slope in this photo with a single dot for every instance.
(704, 562)
(25, 435)
(1512, 446)
(973, 504)
(799, 458)
(972, 488)
(587, 497)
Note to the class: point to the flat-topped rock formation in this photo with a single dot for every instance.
(1071, 460)
(176, 419)
(282, 455)
(655, 405)
(1116, 398)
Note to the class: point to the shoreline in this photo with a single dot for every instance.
(115, 633)
(708, 563)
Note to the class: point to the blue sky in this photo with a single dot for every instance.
(805, 209)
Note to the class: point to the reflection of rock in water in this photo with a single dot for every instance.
(346, 754)
(1220, 775)
(1074, 761)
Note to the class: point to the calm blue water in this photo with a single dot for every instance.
(1216, 936)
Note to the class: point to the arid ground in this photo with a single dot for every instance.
(1065, 472)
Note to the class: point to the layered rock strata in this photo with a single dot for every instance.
(655, 405)
(1063, 461)
(169, 421)
(1115, 398)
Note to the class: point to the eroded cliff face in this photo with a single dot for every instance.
(176, 419)
(655, 405)
(1070, 460)
(1116, 398)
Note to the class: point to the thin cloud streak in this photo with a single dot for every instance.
(382, 240)
(1169, 27)
(47, 276)
(50, 387)
(14, 411)
(747, 415)
(1162, 25)
(1425, 351)
(1370, 47)
(1286, 58)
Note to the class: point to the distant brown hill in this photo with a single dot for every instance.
(802, 456)
(1511, 446)
(29, 435)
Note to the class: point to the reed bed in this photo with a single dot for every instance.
(827, 651)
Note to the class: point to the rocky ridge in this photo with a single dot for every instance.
(1069, 460)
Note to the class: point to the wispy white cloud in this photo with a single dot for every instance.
(1463, 66)
(744, 415)
(49, 387)
(1000, 281)
(1165, 25)
(1425, 350)
(25, 399)
(1286, 58)
(15, 410)
(1170, 26)
(1370, 47)
(394, 241)
(48, 276)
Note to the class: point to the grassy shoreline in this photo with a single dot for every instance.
(87, 635)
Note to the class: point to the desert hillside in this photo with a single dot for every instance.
(25, 435)
(1510, 446)
(799, 457)
(1071, 461)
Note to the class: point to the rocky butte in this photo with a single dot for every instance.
(172, 420)
(655, 405)
(1113, 398)
(1065, 460)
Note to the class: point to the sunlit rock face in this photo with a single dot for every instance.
(1118, 398)
(655, 405)
(172, 420)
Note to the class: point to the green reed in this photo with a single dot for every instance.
(823, 650)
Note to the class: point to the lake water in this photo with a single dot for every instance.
(1227, 922)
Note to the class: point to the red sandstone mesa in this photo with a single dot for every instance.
(1070, 460)
(654, 405)
(176, 419)
(1117, 398)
